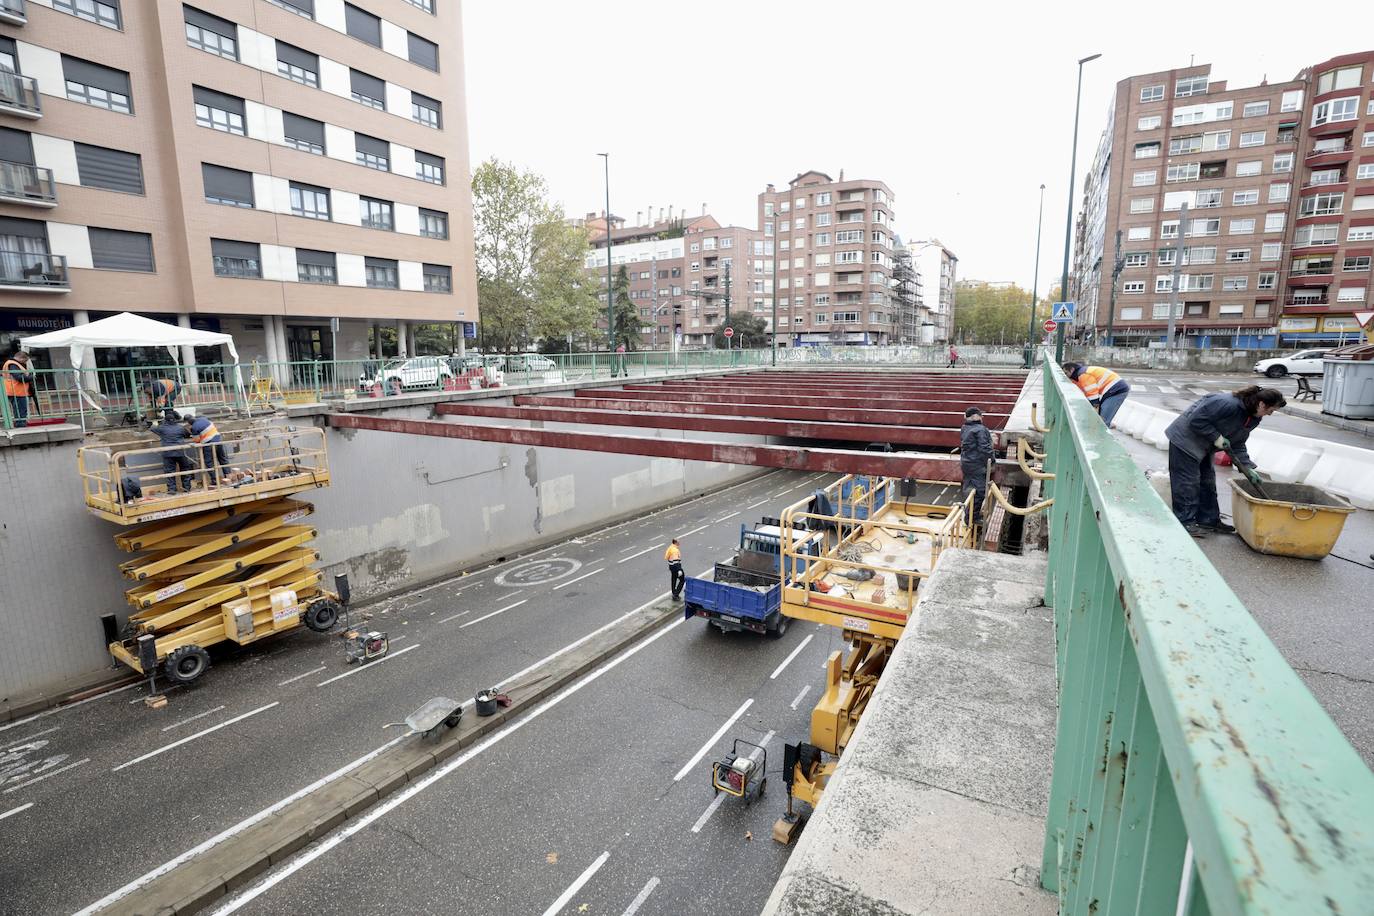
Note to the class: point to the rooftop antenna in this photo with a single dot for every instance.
(1190, 59)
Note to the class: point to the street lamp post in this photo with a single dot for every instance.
(1035, 285)
(1068, 225)
(775, 297)
(610, 296)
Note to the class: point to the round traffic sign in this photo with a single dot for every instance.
(729, 332)
(1048, 325)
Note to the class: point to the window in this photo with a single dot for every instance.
(1292, 100)
(1360, 234)
(377, 214)
(434, 225)
(302, 8)
(1261, 309)
(767, 208)
(1138, 233)
(1147, 150)
(1151, 93)
(1267, 280)
(1133, 313)
(1321, 204)
(1346, 294)
(381, 273)
(297, 65)
(1185, 172)
(1167, 257)
(427, 111)
(1233, 284)
(1368, 138)
(1362, 202)
(236, 259)
(849, 236)
(1241, 227)
(1273, 222)
(1144, 177)
(438, 278)
(1271, 251)
(1149, 123)
(230, 187)
(218, 111)
(316, 266)
(304, 134)
(1195, 282)
(1204, 227)
(1365, 172)
(1207, 199)
(422, 51)
(429, 168)
(1341, 78)
(1251, 138)
(1283, 162)
(1179, 146)
(210, 33)
(96, 85)
(115, 249)
(821, 239)
(822, 219)
(309, 201)
(1138, 259)
(821, 279)
(372, 152)
(1356, 264)
(1192, 85)
(362, 25)
(1142, 204)
(101, 12)
(1335, 110)
(1255, 109)
(1278, 193)
(1237, 255)
(111, 169)
(1131, 287)
(1244, 198)
(1202, 254)
(823, 199)
(1315, 235)
(426, 5)
(367, 89)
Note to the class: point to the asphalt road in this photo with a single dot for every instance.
(120, 789)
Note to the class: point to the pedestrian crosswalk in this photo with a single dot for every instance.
(1190, 387)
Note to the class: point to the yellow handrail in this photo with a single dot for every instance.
(1030, 471)
(1036, 426)
(996, 492)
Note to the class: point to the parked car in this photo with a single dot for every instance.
(399, 375)
(1303, 362)
(529, 362)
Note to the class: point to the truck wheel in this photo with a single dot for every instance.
(778, 631)
(186, 663)
(321, 615)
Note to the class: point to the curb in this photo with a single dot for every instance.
(239, 859)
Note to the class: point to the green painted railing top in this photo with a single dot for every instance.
(1183, 733)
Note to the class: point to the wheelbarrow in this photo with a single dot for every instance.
(741, 776)
(432, 717)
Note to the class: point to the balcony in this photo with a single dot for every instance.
(34, 272)
(13, 12)
(19, 95)
(1300, 301)
(1331, 149)
(27, 184)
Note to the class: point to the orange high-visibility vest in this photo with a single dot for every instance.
(673, 554)
(206, 434)
(14, 386)
(1095, 381)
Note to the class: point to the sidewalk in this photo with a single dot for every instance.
(1312, 410)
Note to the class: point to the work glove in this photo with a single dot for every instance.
(1251, 474)
(1222, 443)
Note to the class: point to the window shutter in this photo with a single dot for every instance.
(112, 169)
(115, 249)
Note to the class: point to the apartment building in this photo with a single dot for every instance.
(252, 166)
(938, 268)
(1274, 251)
(834, 242)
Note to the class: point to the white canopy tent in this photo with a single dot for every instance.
(129, 330)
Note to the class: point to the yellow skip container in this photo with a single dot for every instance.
(1296, 521)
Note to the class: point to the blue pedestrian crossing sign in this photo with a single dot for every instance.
(1063, 311)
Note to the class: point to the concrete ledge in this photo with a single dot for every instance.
(40, 435)
(939, 802)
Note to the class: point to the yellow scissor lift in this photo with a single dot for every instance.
(229, 560)
(868, 526)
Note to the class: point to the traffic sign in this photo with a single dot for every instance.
(1063, 311)
(1049, 325)
(729, 332)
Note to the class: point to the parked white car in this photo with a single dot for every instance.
(532, 365)
(1303, 362)
(399, 375)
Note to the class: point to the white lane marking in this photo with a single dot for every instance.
(724, 518)
(566, 897)
(640, 554)
(1167, 389)
(292, 680)
(797, 701)
(638, 902)
(493, 613)
(627, 549)
(48, 712)
(693, 531)
(455, 616)
(14, 811)
(711, 742)
(715, 802)
(238, 828)
(201, 715)
(70, 766)
(310, 854)
(46, 731)
(396, 639)
(788, 660)
(367, 666)
(579, 578)
(199, 734)
(759, 503)
(1199, 391)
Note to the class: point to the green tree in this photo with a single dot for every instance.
(751, 331)
(627, 322)
(530, 281)
(992, 315)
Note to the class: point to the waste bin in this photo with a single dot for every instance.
(1348, 382)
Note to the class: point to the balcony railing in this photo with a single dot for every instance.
(19, 95)
(33, 271)
(27, 183)
(1300, 301)
(1344, 148)
(13, 12)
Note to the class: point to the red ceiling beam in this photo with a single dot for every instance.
(944, 418)
(910, 402)
(849, 432)
(835, 461)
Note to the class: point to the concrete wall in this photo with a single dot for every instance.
(1212, 360)
(401, 510)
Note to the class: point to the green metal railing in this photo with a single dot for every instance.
(1193, 771)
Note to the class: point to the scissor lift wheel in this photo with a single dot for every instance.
(186, 663)
(321, 615)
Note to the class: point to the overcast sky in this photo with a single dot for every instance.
(964, 109)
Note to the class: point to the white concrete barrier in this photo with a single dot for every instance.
(1346, 471)
(1285, 458)
(1154, 432)
(1129, 418)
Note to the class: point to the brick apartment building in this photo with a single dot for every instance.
(1276, 249)
(254, 166)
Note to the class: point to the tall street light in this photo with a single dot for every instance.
(1068, 225)
(610, 296)
(1035, 286)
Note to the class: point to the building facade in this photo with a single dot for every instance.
(1275, 249)
(938, 268)
(255, 166)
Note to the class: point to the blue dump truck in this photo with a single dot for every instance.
(744, 592)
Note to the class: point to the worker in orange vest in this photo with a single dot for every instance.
(1104, 389)
(162, 393)
(18, 386)
(675, 575)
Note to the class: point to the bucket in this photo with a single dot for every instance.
(1296, 520)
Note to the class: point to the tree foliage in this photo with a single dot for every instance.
(530, 278)
(992, 315)
(751, 331)
(627, 322)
